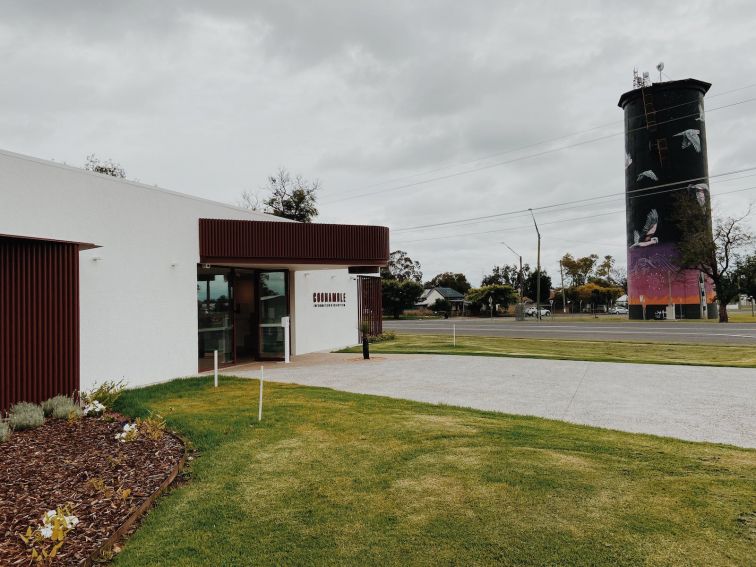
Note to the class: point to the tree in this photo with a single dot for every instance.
(531, 283)
(290, 198)
(506, 275)
(457, 282)
(747, 275)
(108, 167)
(502, 295)
(441, 305)
(399, 295)
(578, 270)
(401, 267)
(713, 250)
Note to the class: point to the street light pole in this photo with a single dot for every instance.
(519, 276)
(564, 297)
(538, 269)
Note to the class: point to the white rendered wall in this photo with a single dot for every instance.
(138, 312)
(323, 325)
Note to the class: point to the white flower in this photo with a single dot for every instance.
(95, 408)
(71, 521)
(46, 532)
(49, 515)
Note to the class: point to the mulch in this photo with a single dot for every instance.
(54, 465)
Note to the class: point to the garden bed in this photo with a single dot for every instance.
(79, 464)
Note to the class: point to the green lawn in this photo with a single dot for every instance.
(602, 351)
(331, 478)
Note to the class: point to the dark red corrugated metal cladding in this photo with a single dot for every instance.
(292, 242)
(39, 319)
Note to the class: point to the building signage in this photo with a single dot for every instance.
(329, 299)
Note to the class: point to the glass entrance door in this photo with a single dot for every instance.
(215, 317)
(245, 316)
(273, 304)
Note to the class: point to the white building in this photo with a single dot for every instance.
(105, 278)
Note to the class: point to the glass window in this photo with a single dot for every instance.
(273, 306)
(215, 318)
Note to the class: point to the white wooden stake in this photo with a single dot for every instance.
(454, 330)
(259, 405)
(215, 366)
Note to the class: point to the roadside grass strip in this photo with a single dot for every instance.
(560, 349)
(332, 478)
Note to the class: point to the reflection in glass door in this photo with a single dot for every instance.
(273, 302)
(215, 318)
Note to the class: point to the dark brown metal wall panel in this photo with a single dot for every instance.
(281, 242)
(370, 303)
(39, 320)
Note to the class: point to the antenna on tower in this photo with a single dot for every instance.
(641, 80)
(660, 68)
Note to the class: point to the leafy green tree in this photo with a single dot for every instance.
(290, 198)
(746, 272)
(441, 305)
(531, 283)
(506, 275)
(502, 295)
(399, 295)
(578, 270)
(401, 267)
(456, 281)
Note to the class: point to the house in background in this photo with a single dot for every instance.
(430, 296)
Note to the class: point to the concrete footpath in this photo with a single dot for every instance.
(696, 403)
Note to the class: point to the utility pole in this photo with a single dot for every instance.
(538, 269)
(564, 298)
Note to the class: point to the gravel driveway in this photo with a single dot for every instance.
(689, 402)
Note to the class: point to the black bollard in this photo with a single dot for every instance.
(365, 347)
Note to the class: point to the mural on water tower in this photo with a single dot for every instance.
(665, 160)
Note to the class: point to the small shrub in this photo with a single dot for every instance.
(46, 538)
(94, 409)
(383, 337)
(97, 484)
(5, 431)
(60, 407)
(152, 427)
(130, 433)
(106, 393)
(25, 416)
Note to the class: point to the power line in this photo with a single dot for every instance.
(360, 195)
(510, 228)
(574, 201)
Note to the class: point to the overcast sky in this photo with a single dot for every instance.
(378, 101)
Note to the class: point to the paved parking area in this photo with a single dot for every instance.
(689, 402)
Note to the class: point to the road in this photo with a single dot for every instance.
(648, 331)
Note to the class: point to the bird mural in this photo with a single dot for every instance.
(701, 117)
(649, 174)
(691, 137)
(702, 192)
(649, 230)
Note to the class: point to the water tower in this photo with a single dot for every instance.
(665, 158)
